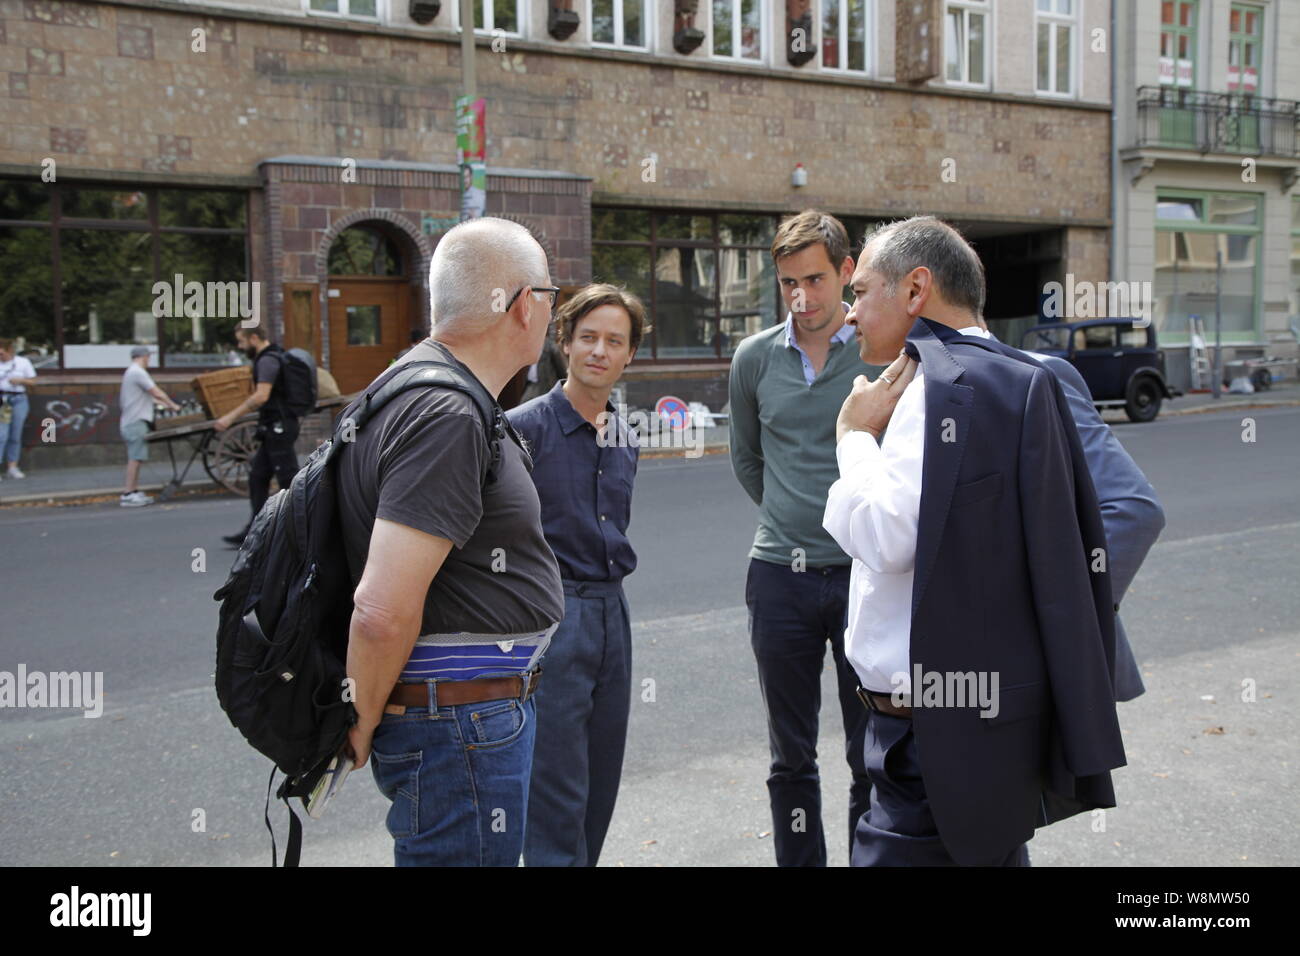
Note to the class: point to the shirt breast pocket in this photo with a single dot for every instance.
(981, 489)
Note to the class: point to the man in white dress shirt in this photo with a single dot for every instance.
(964, 576)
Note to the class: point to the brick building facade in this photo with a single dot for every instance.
(663, 170)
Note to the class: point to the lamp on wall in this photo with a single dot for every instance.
(799, 177)
(424, 11)
(563, 20)
(686, 37)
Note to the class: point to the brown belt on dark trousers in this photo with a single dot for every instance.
(883, 704)
(449, 693)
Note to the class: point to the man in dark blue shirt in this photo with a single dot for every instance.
(584, 464)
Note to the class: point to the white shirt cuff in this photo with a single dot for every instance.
(854, 450)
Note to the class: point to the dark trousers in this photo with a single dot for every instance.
(792, 616)
(898, 829)
(275, 456)
(583, 702)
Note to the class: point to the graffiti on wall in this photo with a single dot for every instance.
(77, 422)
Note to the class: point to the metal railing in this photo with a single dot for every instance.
(1178, 118)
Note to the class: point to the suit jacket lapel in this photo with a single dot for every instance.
(947, 415)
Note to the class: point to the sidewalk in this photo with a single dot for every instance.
(65, 484)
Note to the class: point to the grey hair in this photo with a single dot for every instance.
(926, 241)
(477, 266)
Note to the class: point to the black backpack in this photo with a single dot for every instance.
(286, 607)
(295, 388)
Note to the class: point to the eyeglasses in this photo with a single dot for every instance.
(555, 295)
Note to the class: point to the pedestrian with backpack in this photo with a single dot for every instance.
(456, 591)
(284, 390)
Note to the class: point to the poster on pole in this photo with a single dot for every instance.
(471, 156)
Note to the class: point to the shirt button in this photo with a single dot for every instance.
(602, 517)
(600, 471)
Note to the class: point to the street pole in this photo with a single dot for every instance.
(468, 79)
(1218, 322)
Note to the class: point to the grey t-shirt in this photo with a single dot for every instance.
(136, 402)
(420, 462)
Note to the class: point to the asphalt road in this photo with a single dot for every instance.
(1211, 778)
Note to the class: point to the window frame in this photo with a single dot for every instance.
(1056, 21)
(380, 15)
(489, 13)
(983, 8)
(56, 222)
(1193, 43)
(764, 12)
(1239, 37)
(1255, 334)
(648, 13)
(654, 244)
(869, 40)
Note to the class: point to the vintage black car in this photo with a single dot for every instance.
(1116, 357)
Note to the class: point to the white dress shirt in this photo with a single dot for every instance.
(872, 513)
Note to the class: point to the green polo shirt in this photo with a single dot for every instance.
(783, 442)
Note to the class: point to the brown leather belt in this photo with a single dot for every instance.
(453, 692)
(883, 704)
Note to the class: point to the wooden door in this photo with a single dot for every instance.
(368, 326)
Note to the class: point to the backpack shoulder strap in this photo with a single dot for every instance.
(434, 374)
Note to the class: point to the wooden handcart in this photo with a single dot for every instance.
(225, 455)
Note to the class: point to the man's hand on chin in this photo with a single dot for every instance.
(870, 405)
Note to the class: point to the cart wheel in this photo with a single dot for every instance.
(1262, 379)
(226, 456)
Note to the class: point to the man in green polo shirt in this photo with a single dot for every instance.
(787, 385)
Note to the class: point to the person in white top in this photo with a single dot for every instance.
(136, 399)
(16, 373)
(1011, 602)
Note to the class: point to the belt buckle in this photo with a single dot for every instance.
(865, 697)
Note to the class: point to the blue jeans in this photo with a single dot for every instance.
(583, 703)
(458, 781)
(11, 433)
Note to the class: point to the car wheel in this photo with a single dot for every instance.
(1142, 404)
(1262, 380)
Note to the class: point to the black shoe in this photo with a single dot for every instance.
(237, 538)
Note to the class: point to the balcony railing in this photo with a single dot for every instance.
(1175, 118)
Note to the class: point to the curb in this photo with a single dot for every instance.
(85, 495)
(1221, 407)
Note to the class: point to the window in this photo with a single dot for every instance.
(1178, 43)
(965, 42)
(489, 15)
(738, 29)
(1245, 43)
(362, 9)
(81, 262)
(619, 23)
(707, 280)
(1055, 46)
(1192, 231)
(364, 251)
(844, 35)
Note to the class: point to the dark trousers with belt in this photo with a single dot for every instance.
(583, 702)
(275, 456)
(792, 617)
(898, 829)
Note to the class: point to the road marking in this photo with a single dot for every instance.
(1224, 536)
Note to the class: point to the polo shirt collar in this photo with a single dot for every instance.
(568, 417)
(843, 335)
